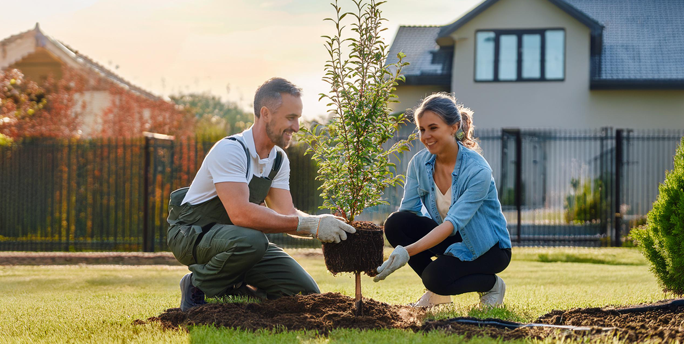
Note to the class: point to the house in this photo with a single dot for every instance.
(553, 63)
(38, 55)
(567, 74)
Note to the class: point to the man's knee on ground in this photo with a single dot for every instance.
(310, 288)
(305, 288)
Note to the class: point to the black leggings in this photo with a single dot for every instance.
(446, 275)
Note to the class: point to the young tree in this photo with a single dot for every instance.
(353, 164)
(661, 239)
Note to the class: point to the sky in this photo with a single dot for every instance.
(227, 48)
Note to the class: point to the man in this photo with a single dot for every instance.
(218, 224)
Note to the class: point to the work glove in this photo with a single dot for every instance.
(326, 228)
(397, 259)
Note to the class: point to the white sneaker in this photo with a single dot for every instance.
(430, 299)
(495, 296)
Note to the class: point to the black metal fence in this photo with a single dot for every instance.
(110, 194)
(578, 187)
(557, 187)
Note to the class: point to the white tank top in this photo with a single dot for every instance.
(443, 201)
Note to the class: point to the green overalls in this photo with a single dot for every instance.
(221, 255)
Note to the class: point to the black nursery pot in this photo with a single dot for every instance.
(361, 252)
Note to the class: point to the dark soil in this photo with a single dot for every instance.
(321, 312)
(361, 252)
(324, 312)
(665, 325)
(470, 331)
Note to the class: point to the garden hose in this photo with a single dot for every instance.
(671, 304)
(513, 325)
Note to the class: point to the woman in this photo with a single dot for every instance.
(466, 229)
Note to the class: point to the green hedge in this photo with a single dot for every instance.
(662, 238)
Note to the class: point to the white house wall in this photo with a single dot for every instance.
(410, 96)
(565, 104)
(17, 50)
(96, 103)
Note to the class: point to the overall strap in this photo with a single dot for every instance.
(246, 153)
(276, 164)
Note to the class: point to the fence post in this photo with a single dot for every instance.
(606, 175)
(518, 181)
(517, 186)
(68, 197)
(146, 196)
(148, 235)
(618, 173)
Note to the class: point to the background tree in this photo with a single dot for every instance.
(129, 114)
(48, 109)
(661, 240)
(215, 118)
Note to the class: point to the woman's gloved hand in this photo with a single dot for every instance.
(397, 259)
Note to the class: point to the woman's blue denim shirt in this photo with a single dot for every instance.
(475, 210)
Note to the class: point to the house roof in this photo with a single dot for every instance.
(430, 64)
(16, 47)
(634, 43)
(569, 9)
(643, 41)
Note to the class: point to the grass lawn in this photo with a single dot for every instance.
(99, 303)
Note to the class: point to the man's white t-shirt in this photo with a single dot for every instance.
(227, 162)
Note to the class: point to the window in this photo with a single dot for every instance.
(520, 55)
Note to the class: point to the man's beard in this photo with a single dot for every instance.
(278, 140)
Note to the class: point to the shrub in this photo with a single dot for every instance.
(585, 204)
(661, 240)
(5, 141)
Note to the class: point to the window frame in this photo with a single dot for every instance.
(519, 34)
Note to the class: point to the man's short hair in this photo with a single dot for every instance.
(269, 94)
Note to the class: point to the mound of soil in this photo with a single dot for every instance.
(322, 312)
(469, 331)
(361, 252)
(665, 325)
